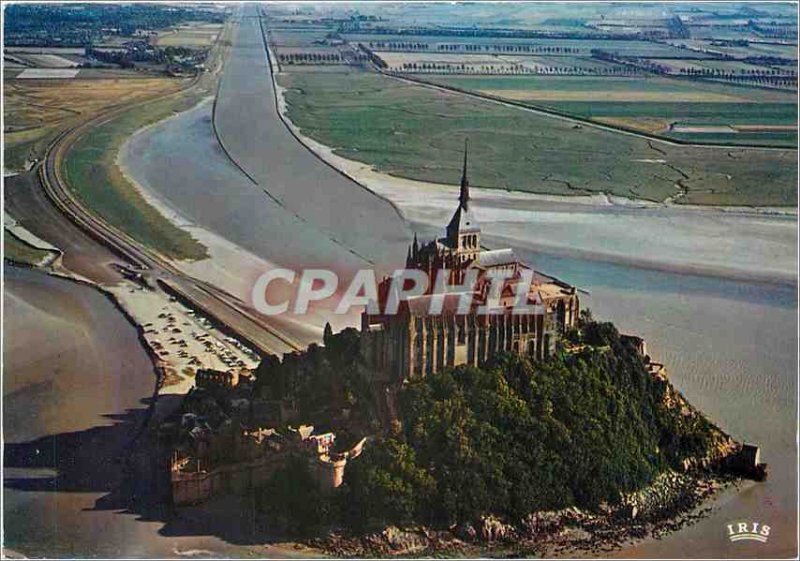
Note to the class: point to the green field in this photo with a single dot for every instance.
(18, 251)
(753, 49)
(623, 47)
(298, 36)
(416, 132)
(705, 113)
(649, 105)
(667, 86)
(693, 114)
(92, 173)
(772, 138)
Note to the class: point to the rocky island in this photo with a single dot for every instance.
(583, 451)
(529, 430)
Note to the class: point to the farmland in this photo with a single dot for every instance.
(299, 35)
(638, 72)
(36, 110)
(753, 48)
(588, 87)
(591, 88)
(86, 41)
(720, 77)
(508, 45)
(652, 104)
(189, 35)
(416, 132)
(494, 63)
(43, 25)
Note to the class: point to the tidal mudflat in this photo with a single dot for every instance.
(729, 343)
(76, 387)
(714, 294)
(730, 348)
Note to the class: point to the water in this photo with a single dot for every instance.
(730, 347)
(75, 383)
(76, 389)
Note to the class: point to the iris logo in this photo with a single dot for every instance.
(750, 531)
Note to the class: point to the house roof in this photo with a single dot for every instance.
(497, 257)
(463, 220)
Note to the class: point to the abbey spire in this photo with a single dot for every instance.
(463, 232)
(463, 197)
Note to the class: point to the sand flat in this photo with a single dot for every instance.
(250, 129)
(47, 74)
(69, 356)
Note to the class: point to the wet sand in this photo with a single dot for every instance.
(84, 257)
(181, 170)
(73, 370)
(729, 344)
(722, 243)
(713, 290)
(77, 385)
(248, 125)
(730, 348)
(70, 357)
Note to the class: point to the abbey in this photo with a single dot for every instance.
(415, 341)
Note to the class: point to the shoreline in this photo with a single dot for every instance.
(569, 540)
(113, 297)
(141, 306)
(566, 533)
(229, 266)
(674, 499)
(767, 278)
(404, 194)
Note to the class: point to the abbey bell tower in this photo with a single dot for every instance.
(430, 332)
(463, 232)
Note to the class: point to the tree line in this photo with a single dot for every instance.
(761, 76)
(466, 68)
(178, 58)
(473, 48)
(310, 58)
(77, 25)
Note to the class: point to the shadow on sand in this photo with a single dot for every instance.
(122, 461)
(114, 459)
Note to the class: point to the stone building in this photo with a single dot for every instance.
(254, 456)
(419, 340)
(210, 378)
